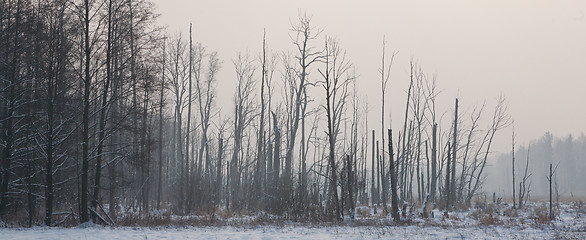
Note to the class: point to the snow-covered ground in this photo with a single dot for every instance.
(271, 232)
(489, 222)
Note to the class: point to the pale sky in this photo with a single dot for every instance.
(532, 51)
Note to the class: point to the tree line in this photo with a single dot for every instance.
(534, 158)
(104, 114)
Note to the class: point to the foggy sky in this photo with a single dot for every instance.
(532, 51)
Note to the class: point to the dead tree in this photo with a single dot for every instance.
(178, 87)
(276, 166)
(218, 181)
(205, 87)
(549, 180)
(402, 154)
(383, 180)
(385, 72)
(447, 187)
(431, 94)
(452, 191)
(419, 104)
(335, 84)
(259, 175)
(302, 34)
(242, 110)
(373, 189)
(393, 173)
(500, 120)
(524, 186)
(513, 166)
(350, 186)
(469, 149)
(188, 125)
(434, 175)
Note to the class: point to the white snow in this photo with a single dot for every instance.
(272, 232)
(570, 224)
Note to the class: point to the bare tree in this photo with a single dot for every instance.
(452, 192)
(103, 110)
(549, 180)
(206, 96)
(243, 108)
(260, 158)
(161, 144)
(524, 186)
(385, 72)
(335, 83)
(513, 165)
(402, 154)
(350, 186)
(188, 125)
(500, 120)
(87, 82)
(302, 33)
(56, 72)
(448, 182)
(393, 172)
(178, 86)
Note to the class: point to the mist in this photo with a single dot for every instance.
(245, 113)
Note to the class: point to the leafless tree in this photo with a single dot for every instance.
(302, 34)
(336, 80)
(243, 102)
(385, 72)
(500, 120)
(524, 185)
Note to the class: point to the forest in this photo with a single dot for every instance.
(106, 117)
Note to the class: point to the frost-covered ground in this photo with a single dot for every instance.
(271, 232)
(489, 222)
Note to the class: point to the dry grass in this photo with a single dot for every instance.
(511, 212)
(540, 215)
(486, 214)
(363, 211)
(489, 219)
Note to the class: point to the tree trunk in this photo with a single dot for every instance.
(434, 162)
(350, 186)
(102, 123)
(447, 188)
(551, 215)
(218, 186)
(188, 126)
(452, 191)
(513, 168)
(84, 217)
(393, 172)
(161, 145)
(373, 198)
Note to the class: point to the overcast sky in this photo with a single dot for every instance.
(532, 51)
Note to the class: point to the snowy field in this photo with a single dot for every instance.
(500, 222)
(408, 232)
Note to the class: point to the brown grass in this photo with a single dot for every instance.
(540, 215)
(486, 214)
(363, 212)
(511, 212)
(489, 219)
